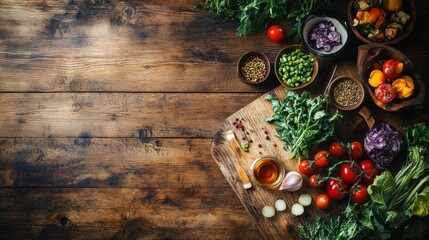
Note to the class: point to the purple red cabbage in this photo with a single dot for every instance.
(382, 144)
(324, 36)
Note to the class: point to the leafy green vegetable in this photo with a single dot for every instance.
(420, 206)
(302, 121)
(383, 188)
(254, 14)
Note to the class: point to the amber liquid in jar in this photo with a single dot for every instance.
(267, 172)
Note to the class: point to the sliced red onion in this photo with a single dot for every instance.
(324, 36)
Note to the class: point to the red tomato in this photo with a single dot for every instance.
(323, 201)
(349, 172)
(276, 33)
(356, 150)
(360, 194)
(336, 149)
(306, 168)
(385, 93)
(321, 159)
(370, 172)
(314, 181)
(392, 69)
(336, 190)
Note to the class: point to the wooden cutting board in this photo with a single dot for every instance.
(263, 141)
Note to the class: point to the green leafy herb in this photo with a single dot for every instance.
(254, 14)
(302, 121)
(245, 147)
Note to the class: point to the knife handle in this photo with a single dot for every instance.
(238, 152)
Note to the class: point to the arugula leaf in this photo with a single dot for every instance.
(302, 121)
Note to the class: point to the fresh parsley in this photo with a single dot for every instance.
(254, 14)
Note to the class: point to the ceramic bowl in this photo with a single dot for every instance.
(340, 23)
(289, 49)
(408, 6)
(246, 57)
(369, 58)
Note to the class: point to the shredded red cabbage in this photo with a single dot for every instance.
(324, 36)
(382, 144)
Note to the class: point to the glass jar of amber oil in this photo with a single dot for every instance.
(267, 171)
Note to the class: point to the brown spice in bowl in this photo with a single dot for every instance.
(347, 93)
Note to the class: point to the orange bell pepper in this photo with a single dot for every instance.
(392, 5)
(376, 78)
(404, 86)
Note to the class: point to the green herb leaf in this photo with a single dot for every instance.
(383, 188)
(420, 206)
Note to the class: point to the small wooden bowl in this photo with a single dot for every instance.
(246, 57)
(409, 5)
(368, 54)
(335, 83)
(289, 49)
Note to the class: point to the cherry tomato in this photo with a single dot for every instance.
(306, 168)
(356, 150)
(370, 172)
(323, 201)
(385, 93)
(359, 194)
(276, 33)
(336, 149)
(392, 69)
(336, 190)
(349, 172)
(314, 181)
(321, 159)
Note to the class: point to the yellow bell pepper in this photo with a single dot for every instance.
(376, 78)
(404, 86)
(392, 5)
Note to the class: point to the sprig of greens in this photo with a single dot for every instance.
(254, 14)
(302, 121)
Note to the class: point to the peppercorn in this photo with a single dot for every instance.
(254, 69)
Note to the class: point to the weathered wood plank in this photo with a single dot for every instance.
(120, 46)
(147, 213)
(108, 162)
(116, 114)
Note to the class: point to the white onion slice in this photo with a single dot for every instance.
(297, 209)
(304, 199)
(280, 205)
(268, 211)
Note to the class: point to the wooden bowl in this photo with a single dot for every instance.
(410, 8)
(289, 49)
(245, 57)
(368, 54)
(333, 85)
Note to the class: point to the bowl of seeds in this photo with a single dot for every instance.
(346, 93)
(295, 67)
(253, 67)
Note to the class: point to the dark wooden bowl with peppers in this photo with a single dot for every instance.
(253, 67)
(385, 21)
(391, 79)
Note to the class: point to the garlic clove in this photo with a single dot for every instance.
(292, 182)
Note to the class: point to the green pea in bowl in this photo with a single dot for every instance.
(295, 67)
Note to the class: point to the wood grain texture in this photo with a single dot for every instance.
(108, 162)
(122, 213)
(116, 114)
(108, 110)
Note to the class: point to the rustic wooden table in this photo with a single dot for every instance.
(108, 110)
